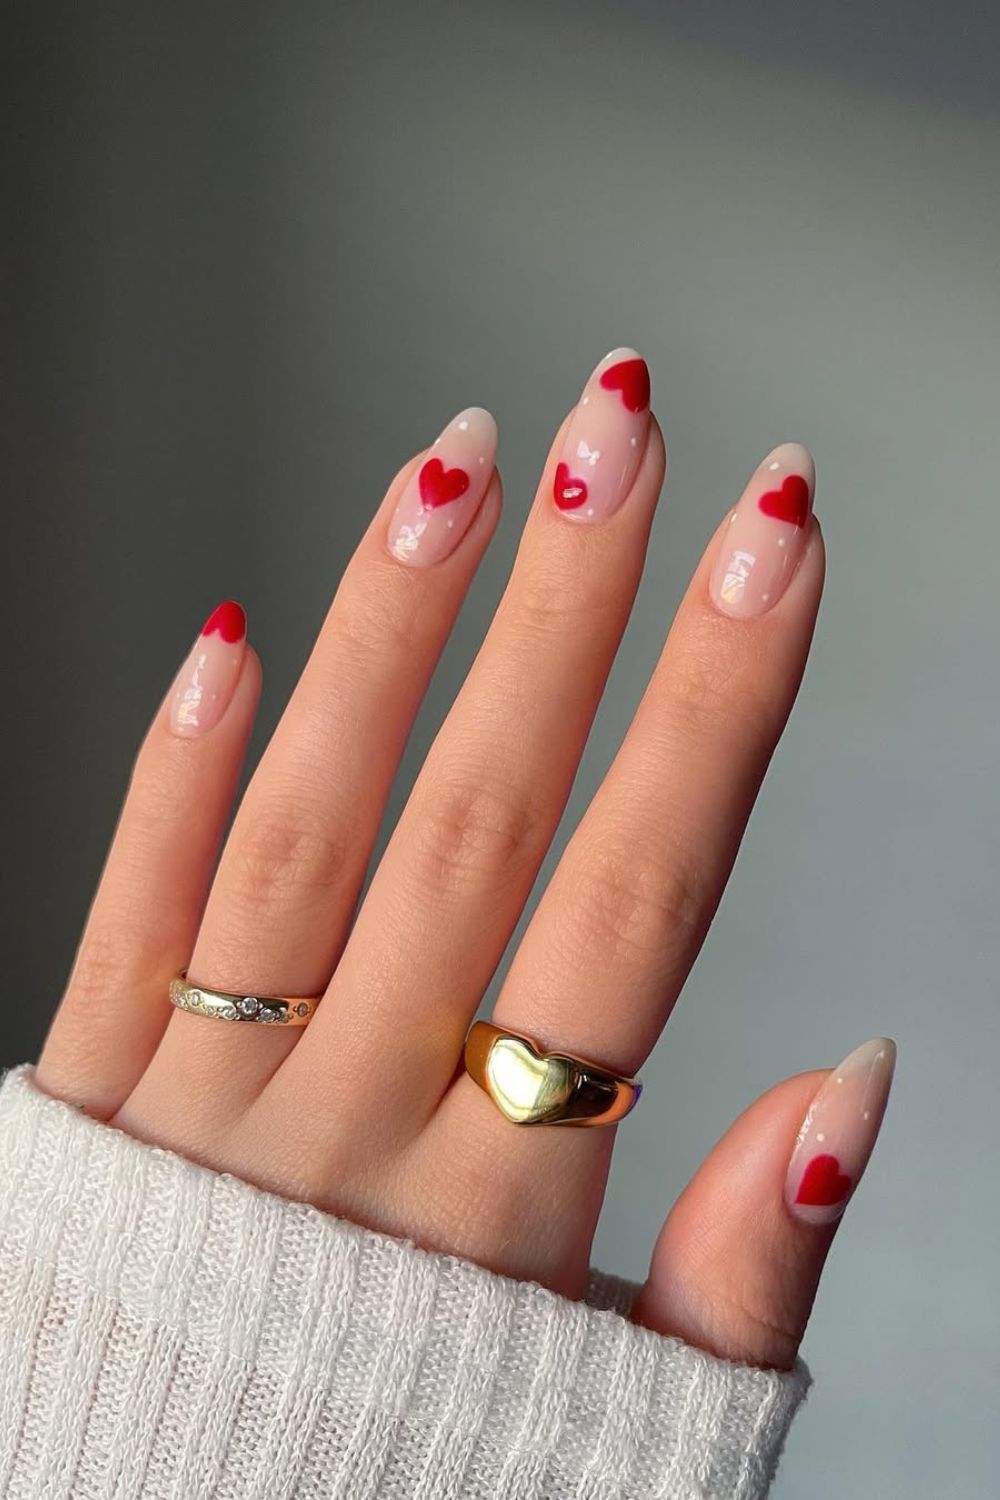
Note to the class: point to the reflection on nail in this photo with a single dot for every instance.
(605, 439)
(440, 500)
(839, 1132)
(205, 683)
(766, 536)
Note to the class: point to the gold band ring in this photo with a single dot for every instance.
(532, 1087)
(266, 1010)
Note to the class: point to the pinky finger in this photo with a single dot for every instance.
(737, 1263)
(145, 915)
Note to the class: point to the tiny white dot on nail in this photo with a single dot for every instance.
(585, 401)
(774, 466)
(634, 442)
(868, 1114)
(781, 541)
(590, 510)
(450, 524)
(764, 598)
(820, 1136)
(839, 1078)
(481, 459)
(435, 442)
(463, 426)
(732, 519)
(880, 1054)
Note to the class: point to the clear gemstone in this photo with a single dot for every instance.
(229, 1012)
(248, 1006)
(302, 1010)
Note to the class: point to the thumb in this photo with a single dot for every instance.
(737, 1263)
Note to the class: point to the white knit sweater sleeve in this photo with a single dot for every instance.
(170, 1331)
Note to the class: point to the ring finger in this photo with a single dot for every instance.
(632, 898)
(627, 909)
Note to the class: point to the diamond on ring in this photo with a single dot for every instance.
(271, 1010)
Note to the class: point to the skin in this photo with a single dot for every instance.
(624, 916)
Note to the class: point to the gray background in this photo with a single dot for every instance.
(257, 255)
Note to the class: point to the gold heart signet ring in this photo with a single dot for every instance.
(532, 1087)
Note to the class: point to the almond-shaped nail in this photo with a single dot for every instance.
(439, 502)
(205, 683)
(766, 534)
(605, 439)
(838, 1133)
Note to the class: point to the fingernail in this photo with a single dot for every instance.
(838, 1134)
(605, 439)
(438, 504)
(206, 681)
(766, 534)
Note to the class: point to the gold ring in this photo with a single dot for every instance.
(265, 1010)
(533, 1087)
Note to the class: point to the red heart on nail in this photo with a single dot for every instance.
(631, 378)
(439, 486)
(823, 1182)
(570, 493)
(790, 503)
(228, 620)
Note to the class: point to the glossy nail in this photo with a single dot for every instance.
(766, 534)
(605, 439)
(838, 1134)
(206, 681)
(439, 502)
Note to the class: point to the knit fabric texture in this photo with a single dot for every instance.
(170, 1331)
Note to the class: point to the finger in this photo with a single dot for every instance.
(145, 915)
(627, 910)
(460, 865)
(289, 876)
(738, 1261)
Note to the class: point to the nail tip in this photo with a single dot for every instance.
(481, 413)
(877, 1048)
(484, 422)
(229, 620)
(794, 456)
(622, 352)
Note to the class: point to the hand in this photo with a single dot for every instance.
(366, 1112)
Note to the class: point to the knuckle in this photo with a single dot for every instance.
(759, 1328)
(710, 692)
(84, 1038)
(97, 970)
(701, 691)
(636, 904)
(545, 604)
(385, 615)
(473, 831)
(286, 853)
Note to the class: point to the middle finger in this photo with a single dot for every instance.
(462, 860)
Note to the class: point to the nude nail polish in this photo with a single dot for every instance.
(766, 534)
(205, 683)
(605, 439)
(440, 500)
(838, 1134)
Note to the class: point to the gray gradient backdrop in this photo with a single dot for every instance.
(258, 255)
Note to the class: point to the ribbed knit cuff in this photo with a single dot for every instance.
(166, 1330)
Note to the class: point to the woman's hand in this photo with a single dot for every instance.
(366, 1112)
